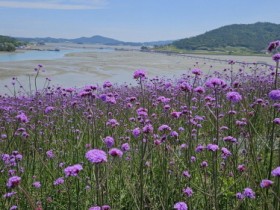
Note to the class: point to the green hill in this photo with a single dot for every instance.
(251, 37)
(8, 43)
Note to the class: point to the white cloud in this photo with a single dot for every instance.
(55, 4)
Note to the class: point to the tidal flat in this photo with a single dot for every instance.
(98, 65)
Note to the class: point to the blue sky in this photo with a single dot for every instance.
(129, 20)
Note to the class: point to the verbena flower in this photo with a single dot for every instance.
(186, 174)
(266, 183)
(215, 82)
(13, 181)
(50, 154)
(59, 181)
(273, 45)
(274, 95)
(125, 147)
(276, 57)
(212, 147)
(276, 171)
(109, 141)
(136, 132)
(188, 191)
(239, 196)
(22, 118)
(139, 74)
(277, 121)
(164, 128)
(181, 206)
(234, 97)
(115, 152)
(249, 193)
(196, 71)
(73, 170)
(36, 184)
(96, 156)
(225, 153)
(9, 194)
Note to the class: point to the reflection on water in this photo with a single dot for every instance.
(44, 55)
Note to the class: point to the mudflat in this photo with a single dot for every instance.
(82, 68)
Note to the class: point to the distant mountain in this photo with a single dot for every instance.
(93, 40)
(97, 40)
(254, 37)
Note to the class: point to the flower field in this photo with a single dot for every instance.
(201, 141)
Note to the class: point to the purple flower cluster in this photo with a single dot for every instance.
(266, 183)
(234, 97)
(181, 206)
(276, 57)
(96, 156)
(276, 172)
(215, 82)
(139, 74)
(73, 170)
(274, 95)
(13, 181)
(273, 45)
(115, 152)
(109, 141)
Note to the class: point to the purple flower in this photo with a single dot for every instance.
(199, 148)
(241, 167)
(188, 191)
(273, 45)
(204, 164)
(249, 193)
(234, 97)
(112, 122)
(266, 183)
(136, 132)
(125, 147)
(276, 57)
(148, 128)
(277, 121)
(239, 196)
(197, 71)
(186, 174)
(274, 95)
(22, 118)
(95, 208)
(9, 194)
(59, 181)
(96, 156)
(49, 109)
(176, 114)
(36, 184)
(164, 128)
(109, 141)
(199, 90)
(13, 181)
(139, 74)
(115, 152)
(276, 171)
(229, 139)
(181, 206)
(73, 170)
(107, 84)
(212, 147)
(215, 82)
(225, 153)
(13, 207)
(50, 154)
(105, 207)
(184, 86)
